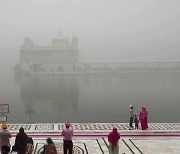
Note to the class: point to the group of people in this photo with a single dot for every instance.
(67, 134)
(142, 117)
(24, 143)
(114, 136)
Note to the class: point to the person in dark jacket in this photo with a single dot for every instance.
(21, 141)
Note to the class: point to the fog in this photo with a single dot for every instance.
(108, 30)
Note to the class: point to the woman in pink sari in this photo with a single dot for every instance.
(113, 139)
(143, 116)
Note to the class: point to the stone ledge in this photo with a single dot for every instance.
(95, 128)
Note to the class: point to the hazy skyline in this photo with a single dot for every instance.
(108, 30)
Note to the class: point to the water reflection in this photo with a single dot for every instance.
(100, 97)
(53, 94)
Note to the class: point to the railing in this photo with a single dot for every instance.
(99, 67)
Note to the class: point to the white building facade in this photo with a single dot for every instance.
(61, 50)
(61, 57)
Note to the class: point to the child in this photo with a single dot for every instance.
(136, 121)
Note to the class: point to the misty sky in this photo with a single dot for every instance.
(108, 30)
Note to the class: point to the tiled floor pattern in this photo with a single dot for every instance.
(76, 148)
(127, 145)
(158, 146)
(89, 139)
(91, 127)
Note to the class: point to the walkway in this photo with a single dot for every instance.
(91, 138)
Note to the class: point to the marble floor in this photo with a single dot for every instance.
(92, 127)
(99, 145)
(88, 139)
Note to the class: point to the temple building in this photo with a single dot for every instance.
(61, 57)
(62, 50)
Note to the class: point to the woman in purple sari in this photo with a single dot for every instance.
(143, 116)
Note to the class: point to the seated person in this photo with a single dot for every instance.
(30, 146)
